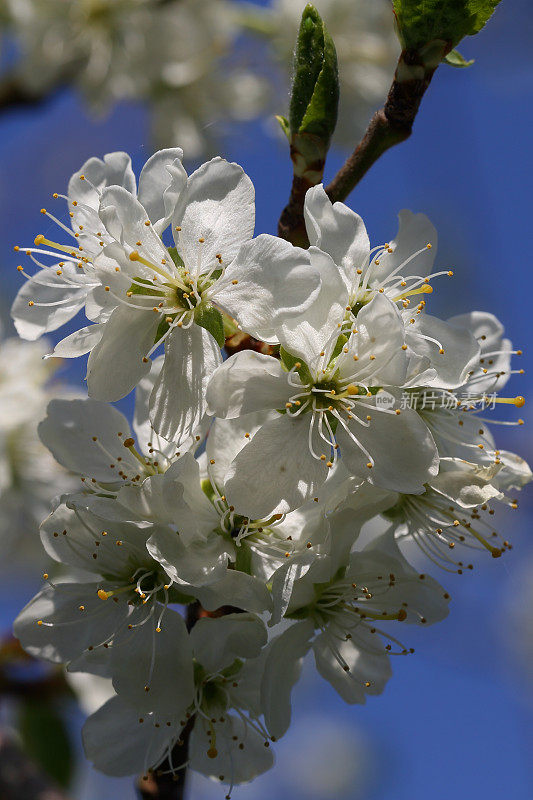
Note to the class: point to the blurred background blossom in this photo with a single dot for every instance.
(457, 719)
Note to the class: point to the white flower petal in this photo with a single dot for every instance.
(78, 343)
(116, 364)
(282, 670)
(338, 231)
(176, 497)
(293, 475)
(227, 437)
(31, 321)
(415, 231)
(178, 403)
(366, 657)
(66, 630)
(232, 765)
(217, 642)
(197, 563)
(70, 535)
(69, 430)
(269, 281)
(247, 382)
(124, 218)
(235, 589)
(154, 670)
(400, 446)
(161, 182)
(461, 350)
(217, 206)
(317, 329)
(114, 170)
(118, 744)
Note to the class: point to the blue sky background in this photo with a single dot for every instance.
(456, 719)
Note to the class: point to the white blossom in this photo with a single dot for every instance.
(29, 475)
(324, 388)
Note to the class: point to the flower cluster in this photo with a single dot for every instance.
(176, 55)
(29, 475)
(194, 62)
(244, 483)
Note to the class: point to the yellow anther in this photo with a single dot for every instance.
(31, 303)
(429, 245)
(352, 389)
(103, 595)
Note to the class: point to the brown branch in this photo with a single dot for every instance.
(308, 155)
(165, 783)
(19, 777)
(390, 125)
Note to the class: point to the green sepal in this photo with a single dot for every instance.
(455, 59)
(284, 125)
(207, 489)
(288, 361)
(243, 562)
(339, 344)
(230, 326)
(149, 291)
(162, 328)
(45, 738)
(422, 21)
(233, 669)
(179, 598)
(176, 258)
(210, 318)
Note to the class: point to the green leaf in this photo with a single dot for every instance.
(315, 88)
(210, 318)
(45, 739)
(284, 125)
(423, 21)
(455, 59)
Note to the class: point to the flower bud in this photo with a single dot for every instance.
(315, 97)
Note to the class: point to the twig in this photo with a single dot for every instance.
(165, 783)
(19, 777)
(13, 94)
(389, 126)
